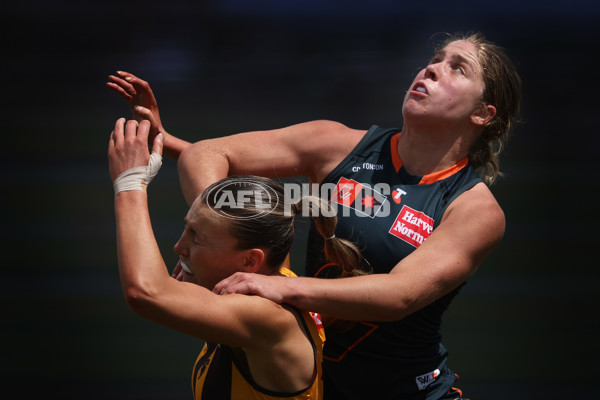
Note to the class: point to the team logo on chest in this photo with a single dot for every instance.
(412, 226)
(362, 198)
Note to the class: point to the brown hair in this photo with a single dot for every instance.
(267, 222)
(502, 89)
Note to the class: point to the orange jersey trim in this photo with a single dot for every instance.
(429, 178)
(395, 156)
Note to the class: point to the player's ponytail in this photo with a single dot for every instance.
(339, 251)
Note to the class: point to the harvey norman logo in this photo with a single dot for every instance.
(412, 226)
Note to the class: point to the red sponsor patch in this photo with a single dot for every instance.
(346, 192)
(412, 226)
(317, 318)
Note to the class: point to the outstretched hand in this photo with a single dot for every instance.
(140, 97)
(128, 146)
(267, 286)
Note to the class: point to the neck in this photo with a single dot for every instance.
(425, 151)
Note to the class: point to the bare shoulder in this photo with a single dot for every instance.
(267, 320)
(478, 211)
(480, 195)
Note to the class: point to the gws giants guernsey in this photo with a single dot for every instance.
(388, 213)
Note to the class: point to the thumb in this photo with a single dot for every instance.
(157, 145)
(144, 113)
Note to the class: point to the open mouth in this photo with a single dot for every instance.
(421, 88)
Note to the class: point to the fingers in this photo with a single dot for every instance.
(138, 94)
(231, 284)
(121, 87)
(157, 145)
(142, 130)
(115, 146)
(117, 136)
(113, 137)
(135, 81)
(177, 271)
(132, 83)
(219, 287)
(131, 130)
(145, 114)
(179, 276)
(125, 74)
(129, 77)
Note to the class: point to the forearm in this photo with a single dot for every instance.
(141, 267)
(173, 146)
(379, 297)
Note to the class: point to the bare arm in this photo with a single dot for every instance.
(470, 229)
(237, 320)
(310, 149)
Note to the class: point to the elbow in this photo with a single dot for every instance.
(140, 298)
(199, 165)
(187, 155)
(390, 314)
(394, 308)
(400, 310)
(193, 154)
(404, 302)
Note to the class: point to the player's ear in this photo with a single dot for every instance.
(483, 115)
(253, 260)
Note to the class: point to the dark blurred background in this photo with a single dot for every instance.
(525, 327)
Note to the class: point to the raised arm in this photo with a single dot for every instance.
(472, 226)
(245, 321)
(310, 149)
(144, 106)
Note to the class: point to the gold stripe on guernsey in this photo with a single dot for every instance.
(429, 178)
(241, 386)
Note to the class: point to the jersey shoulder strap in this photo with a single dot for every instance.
(372, 142)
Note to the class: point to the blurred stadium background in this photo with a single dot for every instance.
(526, 325)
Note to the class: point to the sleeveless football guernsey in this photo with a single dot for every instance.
(388, 213)
(217, 375)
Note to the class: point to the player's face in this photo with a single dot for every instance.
(449, 89)
(206, 249)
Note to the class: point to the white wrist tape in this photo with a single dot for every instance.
(138, 178)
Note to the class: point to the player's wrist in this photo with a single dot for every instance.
(138, 178)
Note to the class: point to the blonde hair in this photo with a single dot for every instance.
(340, 251)
(274, 230)
(502, 89)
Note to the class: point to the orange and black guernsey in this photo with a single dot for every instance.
(218, 375)
(388, 213)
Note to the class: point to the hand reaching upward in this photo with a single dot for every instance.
(140, 97)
